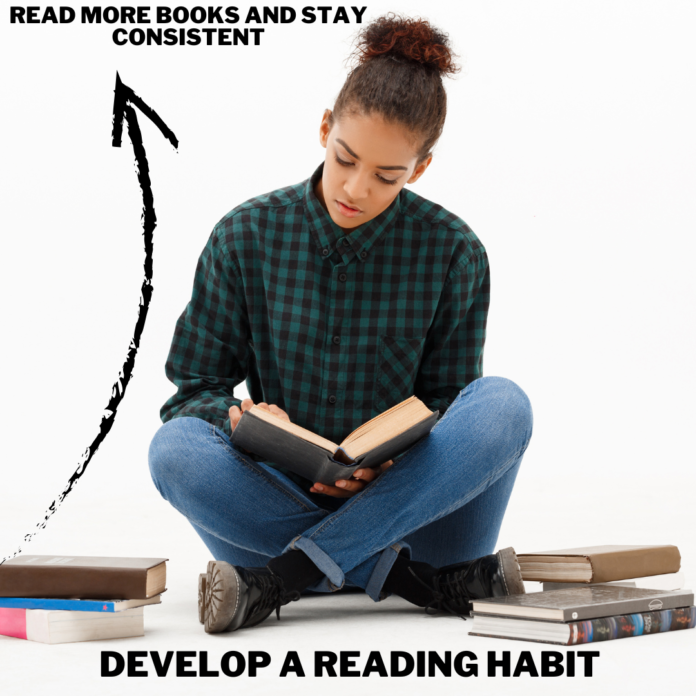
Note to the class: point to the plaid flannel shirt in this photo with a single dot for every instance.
(333, 328)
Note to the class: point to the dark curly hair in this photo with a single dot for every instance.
(399, 64)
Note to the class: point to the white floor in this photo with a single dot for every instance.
(126, 523)
(649, 664)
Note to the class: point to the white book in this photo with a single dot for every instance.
(667, 582)
(47, 626)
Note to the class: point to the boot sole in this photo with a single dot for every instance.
(221, 598)
(510, 570)
(201, 597)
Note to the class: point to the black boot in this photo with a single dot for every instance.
(453, 587)
(235, 597)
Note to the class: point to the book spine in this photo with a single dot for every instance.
(13, 623)
(55, 604)
(65, 582)
(629, 625)
(634, 563)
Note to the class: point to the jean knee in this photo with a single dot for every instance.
(517, 406)
(169, 455)
(512, 406)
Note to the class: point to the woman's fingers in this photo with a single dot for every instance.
(235, 415)
(386, 465)
(366, 475)
(342, 489)
(236, 412)
(279, 412)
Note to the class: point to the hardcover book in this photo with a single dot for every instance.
(670, 581)
(599, 563)
(591, 631)
(70, 626)
(581, 603)
(320, 460)
(85, 577)
(102, 605)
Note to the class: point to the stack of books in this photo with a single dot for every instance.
(66, 599)
(592, 594)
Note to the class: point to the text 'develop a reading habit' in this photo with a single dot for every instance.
(347, 663)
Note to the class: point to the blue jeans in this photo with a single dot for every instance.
(441, 502)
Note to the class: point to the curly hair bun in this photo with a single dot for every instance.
(407, 39)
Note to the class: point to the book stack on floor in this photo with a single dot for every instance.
(592, 594)
(66, 599)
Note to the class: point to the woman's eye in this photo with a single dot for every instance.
(391, 182)
(343, 163)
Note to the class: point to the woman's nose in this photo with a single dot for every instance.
(356, 187)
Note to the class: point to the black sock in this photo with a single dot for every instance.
(295, 569)
(400, 581)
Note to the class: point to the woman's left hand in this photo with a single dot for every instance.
(349, 487)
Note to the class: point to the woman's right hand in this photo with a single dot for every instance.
(236, 413)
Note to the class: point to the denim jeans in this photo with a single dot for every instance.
(441, 502)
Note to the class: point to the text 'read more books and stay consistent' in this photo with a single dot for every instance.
(44, 626)
(598, 564)
(590, 631)
(317, 459)
(83, 577)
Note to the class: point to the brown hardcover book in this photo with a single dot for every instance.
(83, 577)
(599, 563)
(318, 459)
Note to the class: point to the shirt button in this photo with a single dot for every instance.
(343, 277)
(363, 254)
(346, 242)
(325, 252)
(336, 339)
(332, 399)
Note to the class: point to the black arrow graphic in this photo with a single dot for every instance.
(124, 101)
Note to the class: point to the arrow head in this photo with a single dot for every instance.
(120, 99)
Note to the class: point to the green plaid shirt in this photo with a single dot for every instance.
(333, 328)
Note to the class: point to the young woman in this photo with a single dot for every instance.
(336, 299)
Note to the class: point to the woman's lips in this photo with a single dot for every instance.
(347, 211)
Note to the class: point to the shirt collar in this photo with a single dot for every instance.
(329, 236)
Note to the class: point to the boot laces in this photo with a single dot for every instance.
(273, 595)
(447, 595)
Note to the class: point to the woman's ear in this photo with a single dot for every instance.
(420, 168)
(325, 128)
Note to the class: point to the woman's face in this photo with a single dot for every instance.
(368, 161)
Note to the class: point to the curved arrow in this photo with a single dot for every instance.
(124, 101)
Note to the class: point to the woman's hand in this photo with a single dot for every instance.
(349, 487)
(236, 414)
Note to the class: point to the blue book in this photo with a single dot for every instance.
(107, 605)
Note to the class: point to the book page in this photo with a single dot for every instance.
(295, 429)
(384, 427)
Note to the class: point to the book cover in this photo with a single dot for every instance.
(580, 603)
(109, 606)
(313, 462)
(53, 627)
(591, 631)
(600, 563)
(87, 577)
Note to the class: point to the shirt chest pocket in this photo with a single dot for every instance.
(398, 361)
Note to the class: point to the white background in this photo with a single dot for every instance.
(569, 149)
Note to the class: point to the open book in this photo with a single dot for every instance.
(320, 460)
